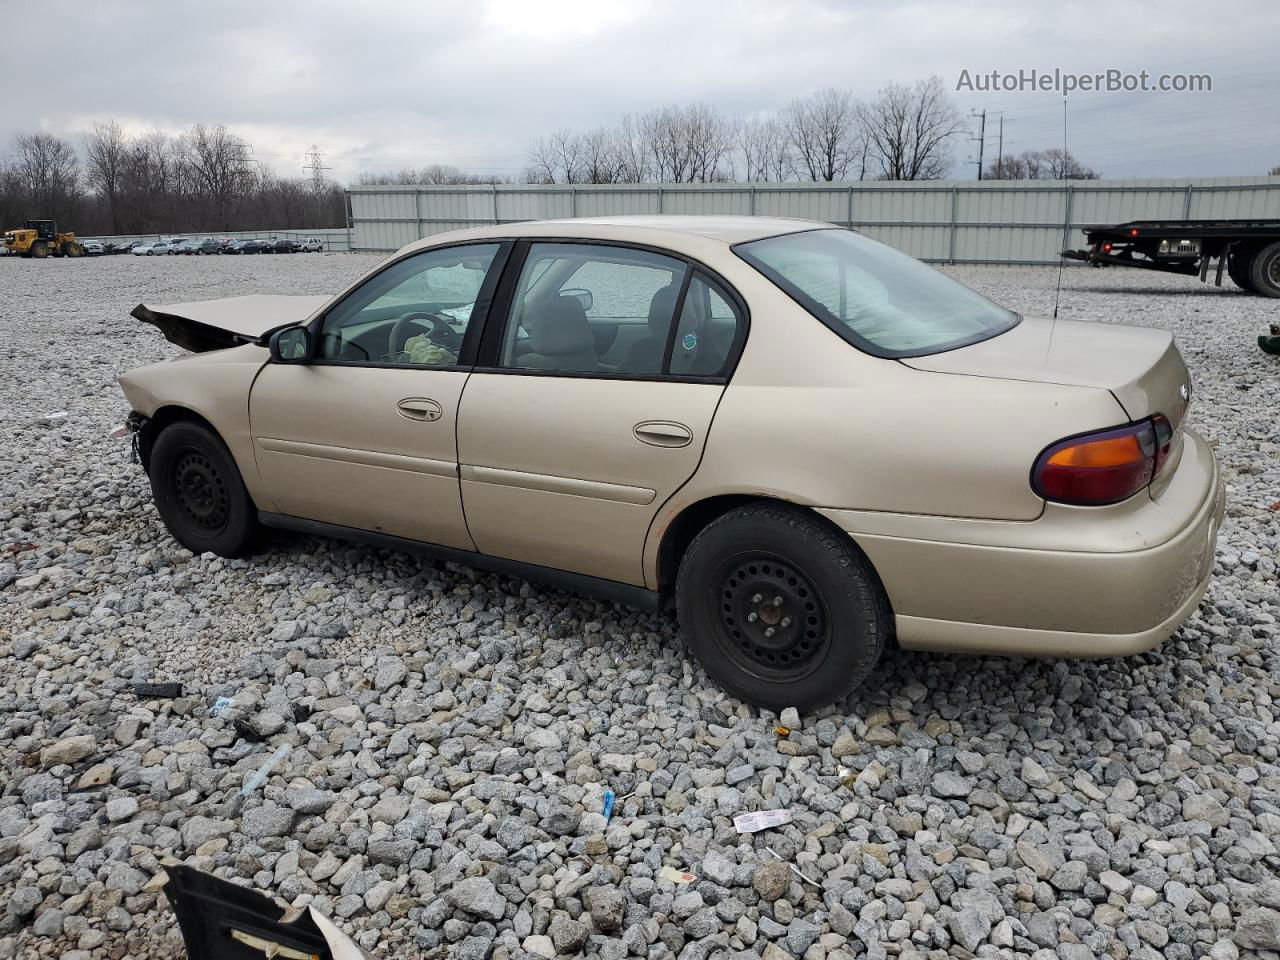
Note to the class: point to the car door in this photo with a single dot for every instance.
(364, 434)
(573, 430)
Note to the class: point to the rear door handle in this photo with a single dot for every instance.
(663, 433)
(419, 408)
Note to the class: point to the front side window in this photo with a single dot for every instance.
(592, 308)
(880, 300)
(415, 312)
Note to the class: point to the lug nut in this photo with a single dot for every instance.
(757, 598)
(768, 631)
(777, 601)
(786, 621)
(751, 618)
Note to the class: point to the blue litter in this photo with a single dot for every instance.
(608, 804)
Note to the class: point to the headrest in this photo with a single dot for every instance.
(561, 327)
(661, 307)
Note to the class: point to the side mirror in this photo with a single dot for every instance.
(584, 297)
(290, 345)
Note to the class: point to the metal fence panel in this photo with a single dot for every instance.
(956, 221)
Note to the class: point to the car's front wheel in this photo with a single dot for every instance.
(199, 492)
(780, 608)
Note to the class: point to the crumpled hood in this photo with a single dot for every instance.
(217, 324)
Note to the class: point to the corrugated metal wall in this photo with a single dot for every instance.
(955, 221)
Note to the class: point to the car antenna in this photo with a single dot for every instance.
(1066, 225)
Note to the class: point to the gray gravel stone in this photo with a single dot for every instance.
(478, 897)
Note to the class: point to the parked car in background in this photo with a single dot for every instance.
(181, 245)
(150, 248)
(204, 246)
(93, 248)
(224, 242)
(311, 245)
(255, 246)
(232, 246)
(284, 245)
(810, 443)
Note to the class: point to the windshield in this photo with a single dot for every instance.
(880, 300)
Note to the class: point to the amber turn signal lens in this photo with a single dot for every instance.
(1104, 467)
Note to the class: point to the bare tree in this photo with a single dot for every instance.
(766, 149)
(826, 137)
(106, 157)
(1052, 164)
(686, 144)
(909, 130)
(218, 164)
(47, 172)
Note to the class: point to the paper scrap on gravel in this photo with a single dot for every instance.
(761, 820)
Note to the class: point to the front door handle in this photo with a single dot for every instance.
(663, 433)
(419, 408)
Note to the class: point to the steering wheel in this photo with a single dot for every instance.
(440, 333)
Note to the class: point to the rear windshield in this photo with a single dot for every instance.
(880, 300)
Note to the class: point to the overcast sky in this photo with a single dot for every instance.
(382, 85)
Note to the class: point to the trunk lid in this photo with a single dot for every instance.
(1140, 366)
(205, 325)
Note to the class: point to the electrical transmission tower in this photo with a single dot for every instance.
(315, 167)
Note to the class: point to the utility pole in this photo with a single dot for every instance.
(982, 136)
(1000, 150)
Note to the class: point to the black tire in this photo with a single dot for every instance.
(1238, 265)
(824, 637)
(199, 492)
(1264, 272)
(39, 250)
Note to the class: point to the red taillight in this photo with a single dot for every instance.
(1133, 233)
(1106, 248)
(1104, 467)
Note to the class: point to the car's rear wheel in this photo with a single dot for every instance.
(1264, 272)
(199, 492)
(780, 608)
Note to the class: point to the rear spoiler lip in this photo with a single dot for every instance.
(196, 336)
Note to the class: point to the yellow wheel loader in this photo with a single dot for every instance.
(40, 239)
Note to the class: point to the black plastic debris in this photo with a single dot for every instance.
(157, 691)
(222, 921)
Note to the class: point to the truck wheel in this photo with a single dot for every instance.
(1264, 274)
(781, 609)
(39, 250)
(1238, 265)
(199, 493)
(74, 250)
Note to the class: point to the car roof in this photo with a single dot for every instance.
(661, 230)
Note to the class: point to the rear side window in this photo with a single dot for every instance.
(880, 300)
(592, 308)
(708, 328)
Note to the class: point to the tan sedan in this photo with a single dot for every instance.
(808, 441)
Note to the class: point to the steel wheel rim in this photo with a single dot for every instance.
(200, 491)
(770, 619)
(1273, 270)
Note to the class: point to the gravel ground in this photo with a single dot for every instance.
(452, 733)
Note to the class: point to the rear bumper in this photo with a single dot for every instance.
(1077, 582)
